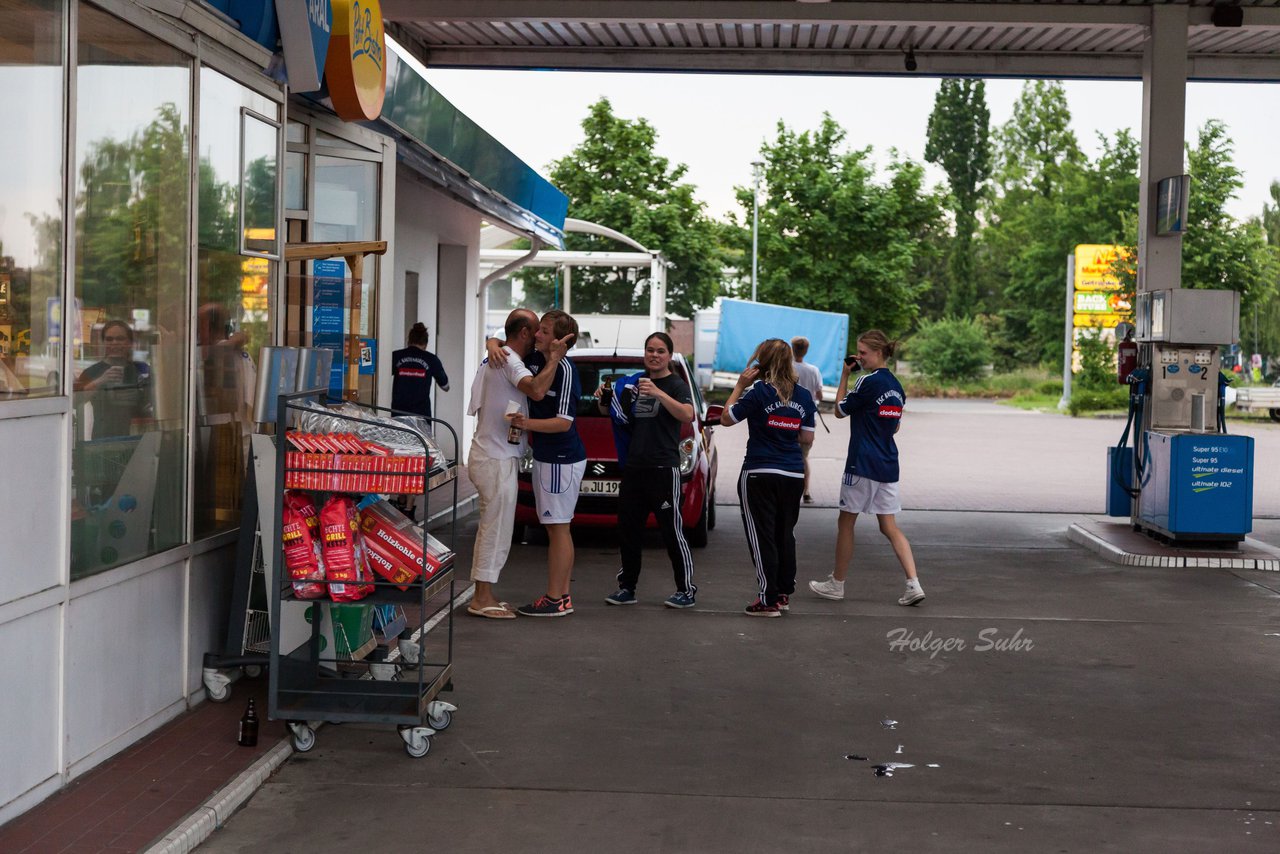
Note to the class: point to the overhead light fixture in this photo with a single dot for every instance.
(910, 60)
(1227, 16)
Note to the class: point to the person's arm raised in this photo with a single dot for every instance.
(535, 387)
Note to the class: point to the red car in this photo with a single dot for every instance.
(598, 500)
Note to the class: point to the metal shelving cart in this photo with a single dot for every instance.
(314, 682)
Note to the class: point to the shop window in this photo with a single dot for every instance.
(236, 220)
(295, 180)
(259, 144)
(132, 245)
(32, 323)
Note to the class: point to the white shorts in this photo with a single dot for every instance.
(555, 490)
(863, 495)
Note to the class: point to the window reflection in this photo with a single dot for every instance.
(232, 317)
(131, 273)
(31, 323)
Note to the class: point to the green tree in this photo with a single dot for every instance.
(1037, 141)
(953, 349)
(1260, 326)
(959, 142)
(616, 178)
(1048, 199)
(1218, 251)
(832, 237)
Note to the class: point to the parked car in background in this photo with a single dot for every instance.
(598, 499)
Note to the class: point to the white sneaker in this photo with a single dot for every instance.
(828, 588)
(911, 597)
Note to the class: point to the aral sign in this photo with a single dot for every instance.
(356, 70)
(305, 30)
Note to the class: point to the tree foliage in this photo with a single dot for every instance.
(1218, 251)
(959, 142)
(834, 238)
(1049, 198)
(953, 349)
(616, 178)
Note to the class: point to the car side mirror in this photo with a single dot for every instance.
(713, 413)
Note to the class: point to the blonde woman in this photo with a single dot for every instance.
(871, 470)
(780, 417)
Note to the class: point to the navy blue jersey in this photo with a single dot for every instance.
(561, 401)
(774, 424)
(875, 407)
(413, 370)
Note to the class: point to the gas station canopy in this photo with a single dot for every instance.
(1226, 40)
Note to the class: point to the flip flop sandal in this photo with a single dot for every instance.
(492, 612)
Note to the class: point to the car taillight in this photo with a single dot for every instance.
(687, 448)
(526, 461)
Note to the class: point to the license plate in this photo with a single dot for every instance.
(601, 487)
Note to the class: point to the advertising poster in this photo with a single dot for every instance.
(327, 314)
(1098, 302)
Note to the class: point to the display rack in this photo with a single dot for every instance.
(316, 681)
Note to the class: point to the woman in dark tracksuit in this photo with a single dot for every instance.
(649, 408)
(780, 417)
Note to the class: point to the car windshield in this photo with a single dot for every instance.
(593, 371)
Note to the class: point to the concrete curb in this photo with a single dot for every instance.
(1091, 541)
(197, 827)
(200, 825)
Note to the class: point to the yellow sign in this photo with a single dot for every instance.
(1090, 320)
(1095, 266)
(356, 67)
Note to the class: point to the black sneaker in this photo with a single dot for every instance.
(548, 607)
(784, 602)
(759, 609)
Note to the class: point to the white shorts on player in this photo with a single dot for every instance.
(555, 490)
(863, 495)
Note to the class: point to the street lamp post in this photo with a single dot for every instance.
(756, 167)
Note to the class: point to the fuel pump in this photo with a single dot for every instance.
(1189, 480)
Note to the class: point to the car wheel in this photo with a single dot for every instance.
(711, 513)
(1275, 415)
(697, 535)
(517, 534)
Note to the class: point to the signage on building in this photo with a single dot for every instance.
(305, 30)
(356, 68)
(1099, 301)
(328, 311)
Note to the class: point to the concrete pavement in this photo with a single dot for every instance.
(981, 455)
(1127, 709)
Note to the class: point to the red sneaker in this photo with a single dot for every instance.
(759, 609)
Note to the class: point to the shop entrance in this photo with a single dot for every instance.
(334, 219)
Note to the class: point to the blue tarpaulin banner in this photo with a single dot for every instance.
(744, 324)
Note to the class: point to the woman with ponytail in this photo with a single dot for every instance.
(780, 418)
(871, 470)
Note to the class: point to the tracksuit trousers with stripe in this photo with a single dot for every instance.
(770, 508)
(656, 490)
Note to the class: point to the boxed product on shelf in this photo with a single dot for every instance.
(334, 472)
(399, 550)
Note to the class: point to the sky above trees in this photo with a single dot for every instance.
(716, 123)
